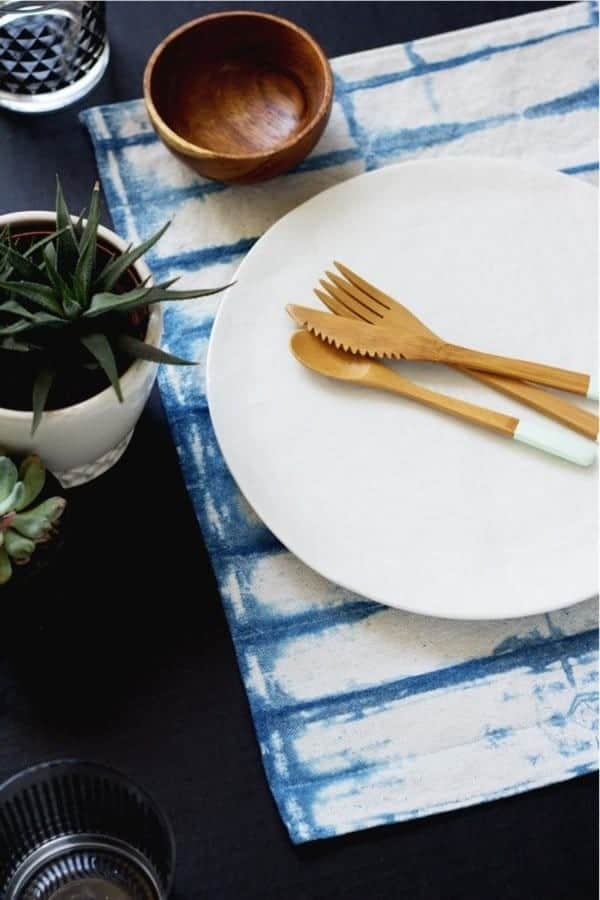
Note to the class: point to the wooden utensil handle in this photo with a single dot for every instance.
(563, 379)
(389, 380)
(556, 408)
(543, 436)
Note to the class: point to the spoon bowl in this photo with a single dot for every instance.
(321, 357)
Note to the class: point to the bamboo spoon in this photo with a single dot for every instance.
(315, 354)
(354, 297)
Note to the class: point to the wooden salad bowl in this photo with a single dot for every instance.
(239, 96)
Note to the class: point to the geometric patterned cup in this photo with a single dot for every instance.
(51, 54)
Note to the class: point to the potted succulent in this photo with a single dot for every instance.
(80, 329)
(28, 516)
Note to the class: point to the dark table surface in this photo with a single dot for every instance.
(122, 653)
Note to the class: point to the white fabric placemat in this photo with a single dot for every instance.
(367, 715)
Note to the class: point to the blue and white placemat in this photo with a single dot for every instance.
(367, 715)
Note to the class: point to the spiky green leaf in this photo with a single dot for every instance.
(53, 275)
(39, 245)
(41, 294)
(71, 303)
(17, 309)
(87, 247)
(66, 242)
(32, 474)
(34, 321)
(15, 328)
(143, 296)
(164, 293)
(99, 346)
(117, 267)
(103, 303)
(9, 343)
(24, 267)
(141, 350)
(41, 389)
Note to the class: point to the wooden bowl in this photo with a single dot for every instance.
(239, 96)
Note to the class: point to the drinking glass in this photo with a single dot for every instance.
(73, 830)
(51, 54)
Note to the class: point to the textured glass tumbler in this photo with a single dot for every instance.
(71, 830)
(51, 54)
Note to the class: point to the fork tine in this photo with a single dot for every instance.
(360, 283)
(358, 309)
(364, 304)
(335, 306)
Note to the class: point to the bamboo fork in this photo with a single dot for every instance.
(354, 297)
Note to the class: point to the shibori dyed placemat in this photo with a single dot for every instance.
(367, 715)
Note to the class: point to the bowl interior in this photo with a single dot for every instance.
(239, 84)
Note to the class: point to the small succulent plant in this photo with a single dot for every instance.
(59, 303)
(22, 526)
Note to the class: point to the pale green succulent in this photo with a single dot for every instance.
(22, 527)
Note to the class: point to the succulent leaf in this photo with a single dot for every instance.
(38, 524)
(6, 519)
(103, 303)
(49, 254)
(20, 528)
(118, 266)
(99, 346)
(54, 287)
(52, 509)
(18, 547)
(23, 266)
(25, 324)
(13, 499)
(9, 343)
(87, 245)
(141, 350)
(47, 239)
(41, 389)
(32, 473)
(5, 566)
(8, 476)
(41, 294)
(71, 304)
(66, 241)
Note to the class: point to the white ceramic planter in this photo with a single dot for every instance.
(80, 442)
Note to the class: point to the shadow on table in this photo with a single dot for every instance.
(131, 592)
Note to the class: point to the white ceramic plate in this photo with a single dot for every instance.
(387, 498)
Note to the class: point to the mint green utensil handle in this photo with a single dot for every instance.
(557, 441)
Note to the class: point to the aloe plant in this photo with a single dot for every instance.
(23, 526)
(58, 303)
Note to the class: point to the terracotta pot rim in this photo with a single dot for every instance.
(153, 331)
(199, 152)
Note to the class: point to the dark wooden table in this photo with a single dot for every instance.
(123, 655)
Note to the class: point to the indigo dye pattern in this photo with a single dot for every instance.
(416, 715)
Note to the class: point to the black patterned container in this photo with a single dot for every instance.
(51, 54)
(71, 830)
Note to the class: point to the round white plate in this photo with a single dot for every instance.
(383, 496)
